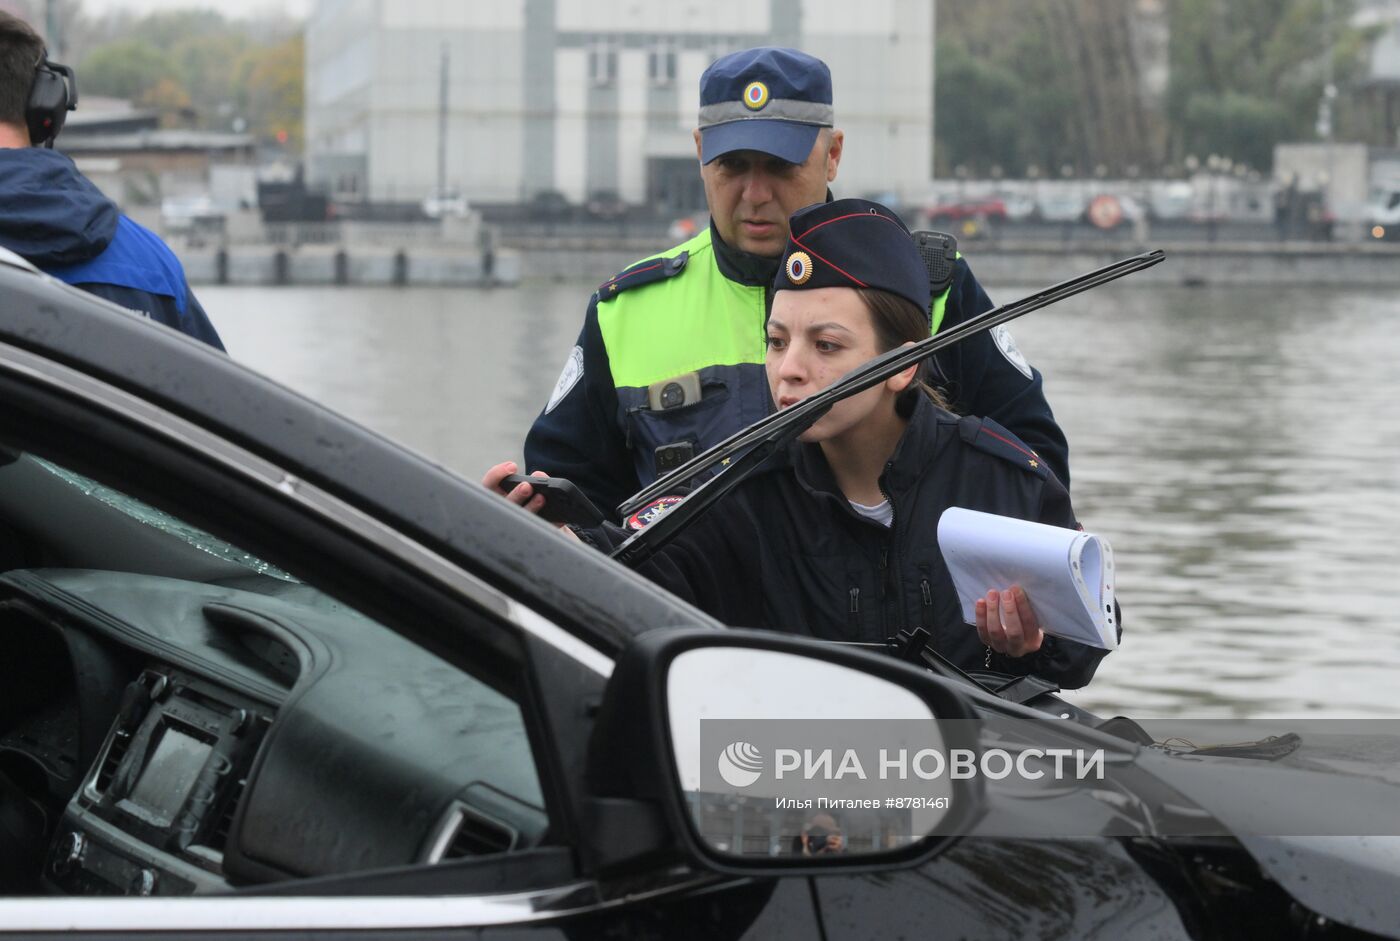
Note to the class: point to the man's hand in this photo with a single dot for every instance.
(1007, 624)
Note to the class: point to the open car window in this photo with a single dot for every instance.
(187, 715)
(162, 521)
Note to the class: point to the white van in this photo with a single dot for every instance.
(1383, 212)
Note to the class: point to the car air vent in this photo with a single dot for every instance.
(120, 742)
(218, 837)
(467, 832)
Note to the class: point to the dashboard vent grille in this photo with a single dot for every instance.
(478, 836)
(218, 837)
(115, 751)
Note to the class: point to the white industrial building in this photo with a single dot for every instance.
(588, 96)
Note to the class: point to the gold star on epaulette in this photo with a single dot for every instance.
(613, 286)
(1034, 464)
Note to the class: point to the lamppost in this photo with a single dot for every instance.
(1213, 167)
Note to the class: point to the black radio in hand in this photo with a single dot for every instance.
(563, 502)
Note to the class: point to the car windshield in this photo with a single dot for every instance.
(164, 522)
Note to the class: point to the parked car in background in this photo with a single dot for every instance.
(605, 205)
(1061, 207)
(967, 219)
(448, 203)
(1171, 200)
(1383, 213)
(550, 206)
(190, 214)
(1019, 207)
(951, 213)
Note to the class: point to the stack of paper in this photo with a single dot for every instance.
(1067, 574)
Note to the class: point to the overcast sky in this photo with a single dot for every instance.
(230, 8)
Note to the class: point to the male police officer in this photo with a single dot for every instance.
(55, 218)
(670, 359)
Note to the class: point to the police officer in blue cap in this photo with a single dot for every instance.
(838, 537)
(670, 358)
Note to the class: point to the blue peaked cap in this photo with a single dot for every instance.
(768, 99)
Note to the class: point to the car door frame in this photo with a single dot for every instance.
(49, 400)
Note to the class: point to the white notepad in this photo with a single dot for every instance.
(1068, 575)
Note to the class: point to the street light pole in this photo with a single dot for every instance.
(441, 193)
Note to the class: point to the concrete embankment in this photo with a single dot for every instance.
(350, 265)
(1328, 264)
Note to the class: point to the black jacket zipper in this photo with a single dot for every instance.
(889, 566)
(926, 612)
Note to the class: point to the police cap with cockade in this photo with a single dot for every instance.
(852, 243)
(769, 99)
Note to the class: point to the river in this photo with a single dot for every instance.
(1239, 447)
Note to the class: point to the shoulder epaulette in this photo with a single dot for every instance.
(643, 272)
(986, 435)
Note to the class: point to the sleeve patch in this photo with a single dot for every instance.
(573, 372)
(643, 272)
(1007, 344)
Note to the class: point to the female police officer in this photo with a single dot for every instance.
(838, 539)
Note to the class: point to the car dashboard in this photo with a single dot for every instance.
(181, 737)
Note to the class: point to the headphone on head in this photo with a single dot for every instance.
(53, 95)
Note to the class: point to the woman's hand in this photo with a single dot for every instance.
(522, 494)
(1007, 624)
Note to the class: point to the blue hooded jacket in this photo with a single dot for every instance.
(54, 217)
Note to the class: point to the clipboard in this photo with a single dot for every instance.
(1067, 574)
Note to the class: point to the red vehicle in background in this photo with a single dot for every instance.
(965, 218)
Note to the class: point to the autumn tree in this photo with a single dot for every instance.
(271, 82)
(196, 66)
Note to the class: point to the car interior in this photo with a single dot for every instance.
(181, 717)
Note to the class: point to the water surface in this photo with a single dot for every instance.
(1240, 448)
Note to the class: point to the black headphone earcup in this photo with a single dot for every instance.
(47, 107)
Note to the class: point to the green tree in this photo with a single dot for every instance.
(197, 57)
(207, 67)
(123, 69)
(1248, 74)
(967, 132)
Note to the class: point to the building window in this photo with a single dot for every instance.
(661, 63)
(602, 62)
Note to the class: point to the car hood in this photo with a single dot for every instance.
(1300, 819)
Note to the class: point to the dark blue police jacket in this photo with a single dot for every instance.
(785, 551)
(58, 221)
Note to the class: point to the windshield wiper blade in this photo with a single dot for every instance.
(809, 410)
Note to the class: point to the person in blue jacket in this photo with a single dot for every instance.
(670, 358)
(837, 537)
(56, 219)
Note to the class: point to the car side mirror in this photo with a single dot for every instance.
(763, 753)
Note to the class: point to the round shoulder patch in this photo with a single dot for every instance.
(755, 95)
(1007, 344)
(651, 512)
(573, 372)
